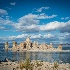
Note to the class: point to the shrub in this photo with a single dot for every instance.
(27, 65)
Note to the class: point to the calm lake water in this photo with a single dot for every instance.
(44, 56)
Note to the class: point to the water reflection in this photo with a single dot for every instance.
(60, 57)
(50, 56)
(36, 56)
(14, 56)
(6, 50)
(43, 56)
(28, 55)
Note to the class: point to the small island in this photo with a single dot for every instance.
(27, 45)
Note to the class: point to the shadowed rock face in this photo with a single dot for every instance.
(24, 45)
(31, 45)
(60, 47)
(28, 45)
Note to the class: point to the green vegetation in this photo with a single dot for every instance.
(26, 64)
(55, 66)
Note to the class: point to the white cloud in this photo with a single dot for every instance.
(52, 26)
(2, 20)
(13, 3)
(33, 18)
(28, 19)
(18, 36)
(30, 22)
(30, 28)
(42, 8)
(6, 24)
(44, 16)
(32, 36)
(27, 23)
(3, 12)
(66, 28)
(65, 18)
(61, 26)
(5, 21)
(36, 36)
(48, 35)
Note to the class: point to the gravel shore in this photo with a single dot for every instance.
(36, 65)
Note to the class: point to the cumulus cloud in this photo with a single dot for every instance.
(48, 36)
(61, 26)
(5, 21)
(13, 3)
(36, 36)
(42, 8)
(31, 22)
(32, 36)
(3, 12)
(27, 23)
(66, 27)
(28, 19)
(33, 18)
(37, 16)
(30, 28)
(6, 24)
(52, 26)
(18, 36)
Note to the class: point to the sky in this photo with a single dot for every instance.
(45, 21)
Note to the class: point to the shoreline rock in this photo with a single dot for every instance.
(41, 65)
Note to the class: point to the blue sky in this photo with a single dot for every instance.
(43, 20)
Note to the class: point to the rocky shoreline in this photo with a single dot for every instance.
(33, 65)
(28, 45)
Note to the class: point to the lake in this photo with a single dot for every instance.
(60, 57)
